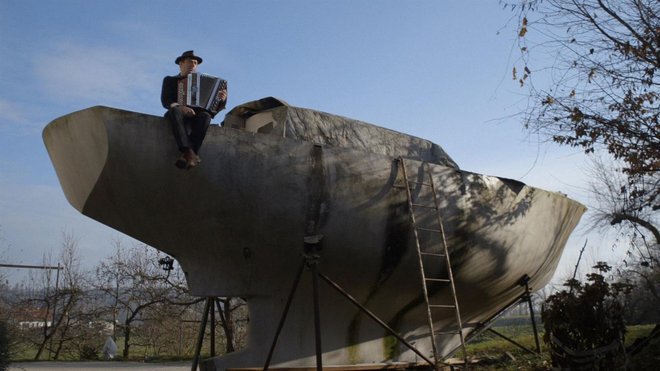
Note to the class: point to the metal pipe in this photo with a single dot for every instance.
(531, 314)
(317, 317)
(511, 341)
(212, 314)
(374, 317)
(200, 337)
(57, 284)
(284, 313)
(59, 267)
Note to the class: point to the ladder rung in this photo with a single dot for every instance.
(420, 183)
(432, 253)
(424, 206)
(437, 279)
(428, 229)
(442, 306)
(455, 332)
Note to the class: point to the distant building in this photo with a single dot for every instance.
(31, 318)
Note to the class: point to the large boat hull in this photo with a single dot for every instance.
(238, 223)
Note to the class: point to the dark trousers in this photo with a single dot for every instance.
(189, 131)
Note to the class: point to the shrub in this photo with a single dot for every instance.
(88, 353)
(584, 326)
(4, 347)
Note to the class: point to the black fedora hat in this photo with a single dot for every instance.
(188, 54)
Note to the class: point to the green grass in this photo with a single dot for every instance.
(492, 350)
(637, 331)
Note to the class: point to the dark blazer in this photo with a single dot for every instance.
(168, 93)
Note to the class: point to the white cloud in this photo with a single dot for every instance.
(10, 113)
(96, 74)
(19, 120)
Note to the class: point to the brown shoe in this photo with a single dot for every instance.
(181, 163)
(191, 158)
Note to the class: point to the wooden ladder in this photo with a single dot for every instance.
(417, 208)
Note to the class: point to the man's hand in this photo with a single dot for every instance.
(222, 94)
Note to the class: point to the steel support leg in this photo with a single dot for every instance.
(200, 337)
(374, 317)
(284, 314)
(531, 314)
(317, 317)
(512, 341)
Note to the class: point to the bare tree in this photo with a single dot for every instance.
(613, 206)
(644, 298)
(53, 296)
(139, 287)
(590, 67)
(4, 249)
(45, 299)
(5, 345)
(75, 325)
(233, 318)
(68, 294)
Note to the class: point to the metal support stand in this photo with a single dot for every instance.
(525, 296)
(375, 318)
(212, 335)
(317, 316)
(200, 337)
(311, 260)
(524, 281)
(284, 314)
(512, 341)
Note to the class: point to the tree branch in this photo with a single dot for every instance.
(619, 217)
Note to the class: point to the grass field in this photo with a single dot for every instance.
(493, 352)
(496, 353)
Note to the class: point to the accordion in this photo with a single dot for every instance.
(201, 90)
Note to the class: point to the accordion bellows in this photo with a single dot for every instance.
(201, 90)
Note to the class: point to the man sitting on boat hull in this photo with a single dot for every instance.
(181, 116)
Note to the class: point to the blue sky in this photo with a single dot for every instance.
(440, 70)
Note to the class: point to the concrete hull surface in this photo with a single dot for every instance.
(274, 175)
